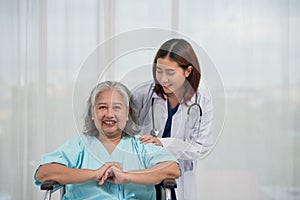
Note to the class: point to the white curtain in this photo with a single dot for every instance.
(254, 45)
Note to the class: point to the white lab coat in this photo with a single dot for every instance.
(189, 137)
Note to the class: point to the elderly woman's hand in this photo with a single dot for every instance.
(100, 173)
(114, 175)
(150, 139)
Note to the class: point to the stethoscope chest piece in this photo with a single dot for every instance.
(154, 132)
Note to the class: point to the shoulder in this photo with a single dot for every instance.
(149, 147)
(79, 138)
(69, 153)
(134, 140)
(142, 94)
(206, 104)
(143, 88)
(78, 141)
(152, 154)
(203, 98)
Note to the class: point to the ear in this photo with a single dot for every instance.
(188, 71)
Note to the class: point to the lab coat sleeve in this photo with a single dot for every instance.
(197, 137)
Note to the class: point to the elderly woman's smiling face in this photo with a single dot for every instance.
(110, 113)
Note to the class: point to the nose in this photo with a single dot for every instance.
(164, 78)
(109, 112)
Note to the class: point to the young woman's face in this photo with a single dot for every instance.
(170, 75)
(110, 113)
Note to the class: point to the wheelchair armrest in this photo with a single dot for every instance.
(169, 183)
(52, 186)
(49, 185)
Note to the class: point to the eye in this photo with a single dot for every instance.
(159, 71)
(170, 73)
(117, 107)
(102, 107)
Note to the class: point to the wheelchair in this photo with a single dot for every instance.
(164, 188)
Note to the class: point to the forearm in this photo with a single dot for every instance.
(64, 175)
(154, 175)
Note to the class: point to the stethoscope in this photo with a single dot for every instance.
(154, 132)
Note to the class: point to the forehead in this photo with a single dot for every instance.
(109, 95)
(167, 63)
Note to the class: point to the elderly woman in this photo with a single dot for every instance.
(108, 161)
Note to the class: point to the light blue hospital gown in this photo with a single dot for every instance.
(87, 152)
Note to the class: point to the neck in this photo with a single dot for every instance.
(173, 100)
(110, 142)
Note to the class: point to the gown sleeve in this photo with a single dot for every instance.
(70, 154)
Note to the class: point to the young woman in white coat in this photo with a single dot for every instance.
(173, 113)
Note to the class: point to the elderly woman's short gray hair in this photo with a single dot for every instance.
(131, 127)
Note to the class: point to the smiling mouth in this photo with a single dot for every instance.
(109, 122)
(167, 87)
(165, 84)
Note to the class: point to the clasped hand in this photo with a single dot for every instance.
(111, 172)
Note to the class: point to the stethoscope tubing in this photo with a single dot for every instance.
(154, 132)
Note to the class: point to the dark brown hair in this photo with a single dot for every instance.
(180, 51)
